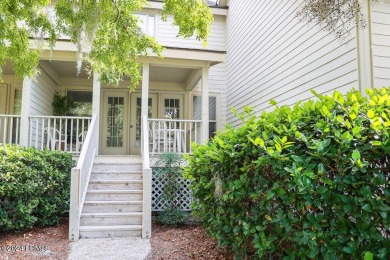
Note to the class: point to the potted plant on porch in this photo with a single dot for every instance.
(62, 106)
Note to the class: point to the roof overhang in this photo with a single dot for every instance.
(67, 51)
(158, 5)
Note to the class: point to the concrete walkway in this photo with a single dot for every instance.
(110, 248)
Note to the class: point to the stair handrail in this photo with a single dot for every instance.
(147, 181)
(80, 178)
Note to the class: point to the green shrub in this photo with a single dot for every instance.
(168, 170)
(172, 217)
(34, 187)
(308, 181)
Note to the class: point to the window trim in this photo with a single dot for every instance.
(217, 108)
(147, 24)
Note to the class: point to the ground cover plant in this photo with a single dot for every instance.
(34, 187)
(309, 181)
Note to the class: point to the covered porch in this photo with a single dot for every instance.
(173, 98)
(170, 110)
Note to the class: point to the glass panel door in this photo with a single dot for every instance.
(171, 106)
(115, 123)
(135, 119)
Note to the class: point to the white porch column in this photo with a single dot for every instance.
(145, 91)
(96, 103)
(25, 112)
(205, 102)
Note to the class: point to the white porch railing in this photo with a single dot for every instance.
(176, 136)
(9, 129)
(80, 178)
(147, 183)
(58, 132)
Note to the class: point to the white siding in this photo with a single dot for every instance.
(167, 36)
(380, 26)
(43, 89)
(272, 55)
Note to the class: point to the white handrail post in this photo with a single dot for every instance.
(147, 204)
(147, 172)
(80, 179)
(74, 218)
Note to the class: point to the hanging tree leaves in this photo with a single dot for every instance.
(19, 20)
(336, 16)
(106, 32)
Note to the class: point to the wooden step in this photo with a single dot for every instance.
(115, 175)
(116, 167)
(123, 195)
(110, 231)
(110, 219)
(115, 185)
(118, 159)
(112, 206)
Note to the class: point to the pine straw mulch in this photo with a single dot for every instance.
(184, 242)
(36, 243)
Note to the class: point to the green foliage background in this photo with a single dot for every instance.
(106, 33)
(309, 181)
(34, 187)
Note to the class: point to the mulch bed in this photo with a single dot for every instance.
(185, 242)
(37, 243)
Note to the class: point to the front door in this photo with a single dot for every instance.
(135, 119)
(115, 123)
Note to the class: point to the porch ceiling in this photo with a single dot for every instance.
(67, 69)
(169, 74)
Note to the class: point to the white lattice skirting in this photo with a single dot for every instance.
(183, 196)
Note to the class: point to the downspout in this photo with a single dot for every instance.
(364, 49)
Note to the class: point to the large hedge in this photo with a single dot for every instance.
(34, 187)
(310, 181)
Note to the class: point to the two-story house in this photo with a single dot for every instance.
(257, 50)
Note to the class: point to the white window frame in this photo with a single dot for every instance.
(147, 24)
(217, 108)
(171, 96)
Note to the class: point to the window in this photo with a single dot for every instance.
(83, 101)
(147, 24)
(171, 108)
(115, 117)
(197, 112)
(17, 102)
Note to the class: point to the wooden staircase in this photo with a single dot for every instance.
(113, 202)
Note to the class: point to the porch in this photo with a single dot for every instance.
(168, 112)
(171, 92)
